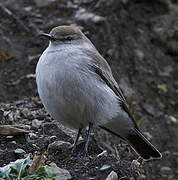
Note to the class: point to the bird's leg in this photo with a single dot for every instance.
(74, 145)
(84, 152)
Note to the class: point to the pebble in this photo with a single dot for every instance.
(19, 151)
(53, 138)
(58, 145)
(9, 137)
(32, 135)
(139, 54)
(14, 142)
(35, 146)
(36, 123)
(65, 174)
(148, 136)
(105, 167)
(27, 127)
(135, 164)
(171, 120)
(112, 176)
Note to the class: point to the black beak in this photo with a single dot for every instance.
(49, 36)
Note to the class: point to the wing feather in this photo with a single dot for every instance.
(100, 66)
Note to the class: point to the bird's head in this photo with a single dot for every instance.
(64, 34)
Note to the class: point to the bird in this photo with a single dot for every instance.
(77, 88)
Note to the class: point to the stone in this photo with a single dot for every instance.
(65, 174)
(36, 123)
(32, 135)
(13, 142)
(171, 120)
(19, 151)
(112, 176)
(59, 146)
(139, 54)
(105, 167)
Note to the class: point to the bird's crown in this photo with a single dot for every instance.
(65, 31)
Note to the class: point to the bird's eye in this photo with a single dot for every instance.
(69, 38)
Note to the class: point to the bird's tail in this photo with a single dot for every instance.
(140, 144)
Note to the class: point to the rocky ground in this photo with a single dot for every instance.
(138, 39)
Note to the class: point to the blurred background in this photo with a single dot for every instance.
(139, 39)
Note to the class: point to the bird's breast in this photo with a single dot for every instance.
(72, 93)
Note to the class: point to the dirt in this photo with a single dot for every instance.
(138, 39)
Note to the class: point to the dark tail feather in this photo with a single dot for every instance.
(142, 146)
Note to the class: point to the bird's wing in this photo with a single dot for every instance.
(100, 66)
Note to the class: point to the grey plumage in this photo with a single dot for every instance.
(76, 86)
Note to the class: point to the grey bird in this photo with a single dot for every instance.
(77, 88)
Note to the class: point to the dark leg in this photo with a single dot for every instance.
(84, 152)
(73, 148)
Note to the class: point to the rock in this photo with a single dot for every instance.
(139, 54)
(148, 135)
(9, 137)
(83, 15)
(53, 138)
(105, 167)
(171, 120)
(36, 123)
(167, 153)
(59, 146)
(32, 135)
(65, 174)
(19, 151)
(13, 142)
(28, 8)
(112, 176)
(135, 165)
(27, 127)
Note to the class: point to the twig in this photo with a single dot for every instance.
(12, 130)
